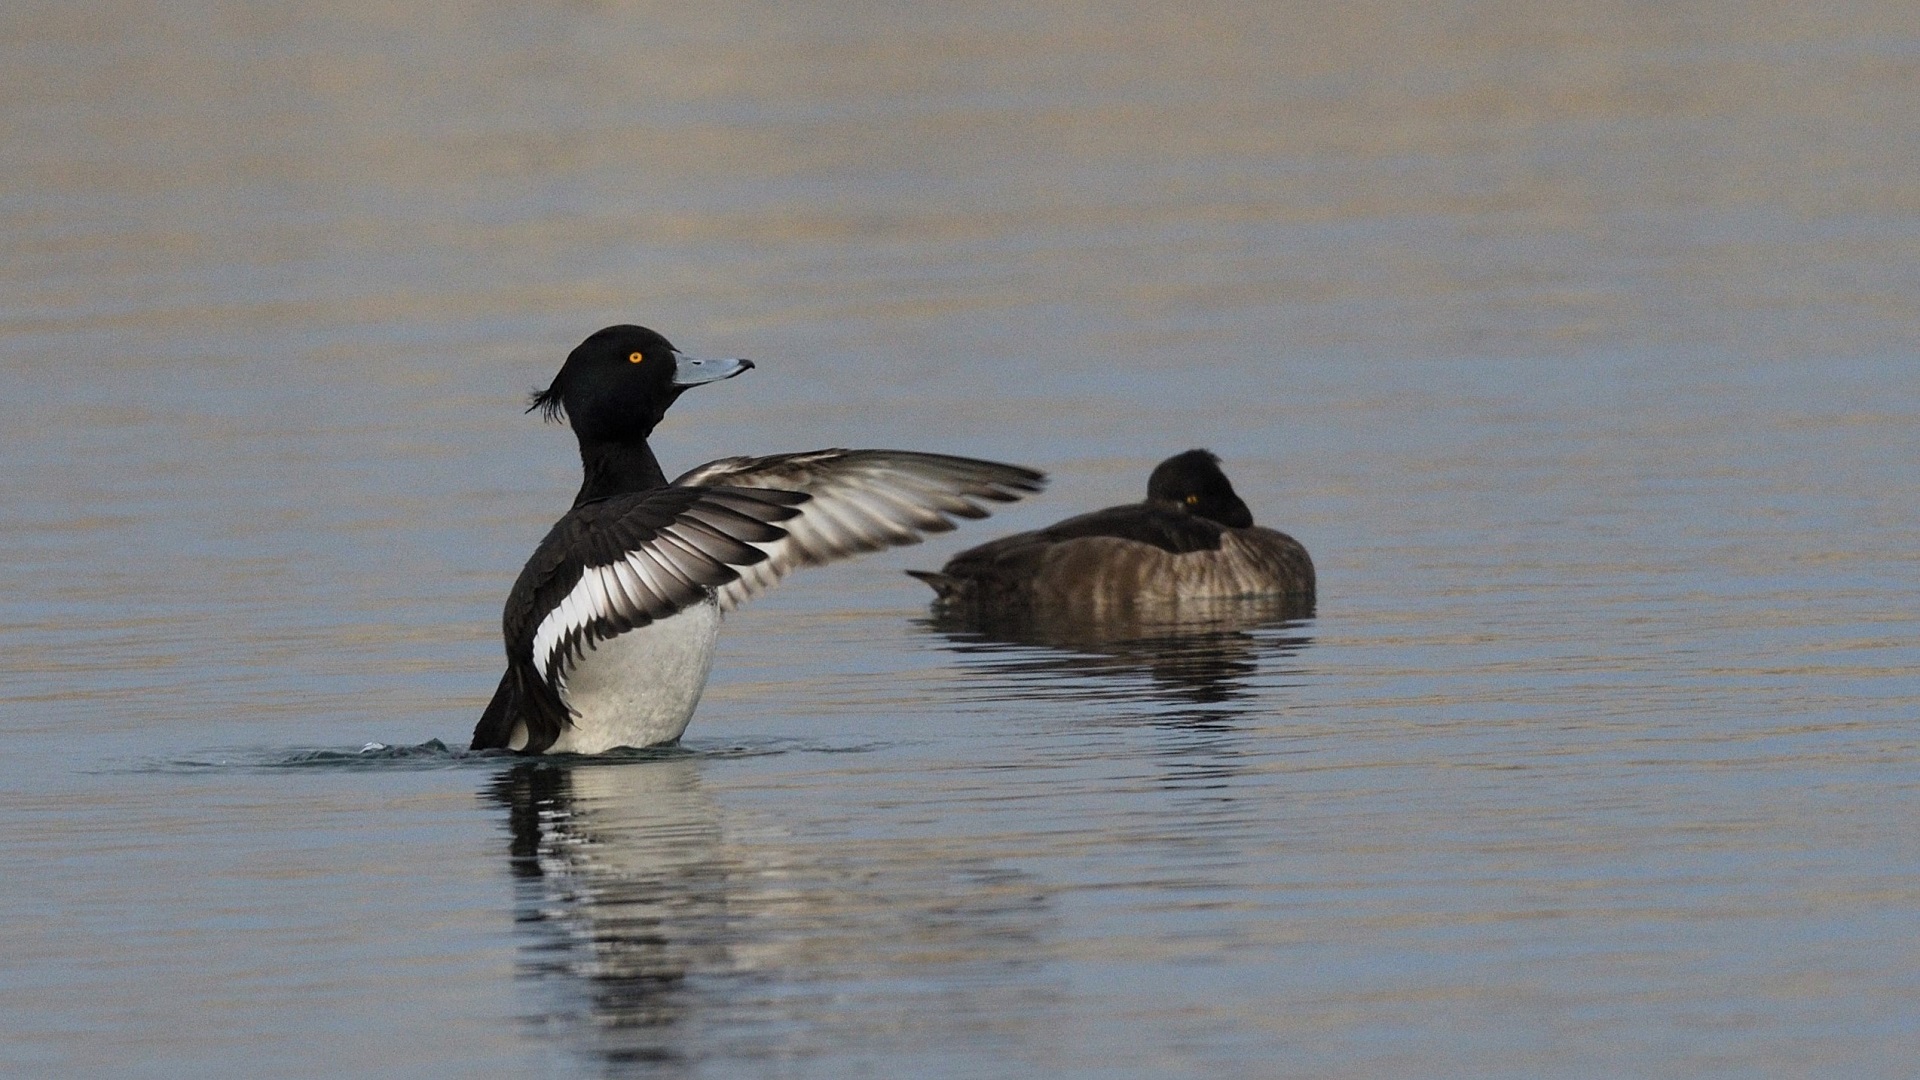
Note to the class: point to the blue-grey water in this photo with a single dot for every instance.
(1577, 341)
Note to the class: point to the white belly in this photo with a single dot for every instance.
(640, 688)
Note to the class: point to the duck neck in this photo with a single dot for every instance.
(617, 468)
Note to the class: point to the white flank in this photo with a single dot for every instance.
(640, 688)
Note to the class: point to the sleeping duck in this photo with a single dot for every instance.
(1190, 544)
(610, 629)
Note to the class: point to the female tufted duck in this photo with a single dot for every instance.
(1192, 542)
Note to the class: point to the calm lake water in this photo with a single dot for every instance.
(1575, 340)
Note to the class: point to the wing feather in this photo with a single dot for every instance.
(624, 586)
(681, 590)
(730, 529)
(615, 564)
(854, 501)
(662, 587)
(716, 515)
(714, 543)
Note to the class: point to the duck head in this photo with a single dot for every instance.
(618, 384)
(1193, 483)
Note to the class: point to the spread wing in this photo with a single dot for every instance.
(618, 563)
(858, 500)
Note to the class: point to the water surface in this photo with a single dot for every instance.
(1574, 340)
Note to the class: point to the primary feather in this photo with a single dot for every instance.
(859, 500)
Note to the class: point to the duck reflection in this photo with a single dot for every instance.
(1196, 655)
(1193, 677)
(659, 934)
(621, 887)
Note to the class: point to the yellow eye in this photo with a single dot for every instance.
(636, 358)
(1193, 500)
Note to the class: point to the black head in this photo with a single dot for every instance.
(1193, 482)
(618, 384)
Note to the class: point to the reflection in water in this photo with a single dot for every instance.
(1192, 677)
(620, 884)
(1194, 681)
(651, 920)
(1203, 657)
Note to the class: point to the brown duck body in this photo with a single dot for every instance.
(1164, 554)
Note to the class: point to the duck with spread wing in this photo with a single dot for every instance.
(610, 629)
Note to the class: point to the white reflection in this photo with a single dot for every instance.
(661, 931)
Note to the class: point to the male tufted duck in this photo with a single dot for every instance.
(610, 628)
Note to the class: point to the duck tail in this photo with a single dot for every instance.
(944, 586)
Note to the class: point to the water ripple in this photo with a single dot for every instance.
(434, 754)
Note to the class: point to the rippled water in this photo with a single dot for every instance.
(1575, 340)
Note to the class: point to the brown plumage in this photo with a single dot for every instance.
(1190, 546)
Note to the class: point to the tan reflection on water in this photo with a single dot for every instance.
(1431, 177)
(658, 927)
